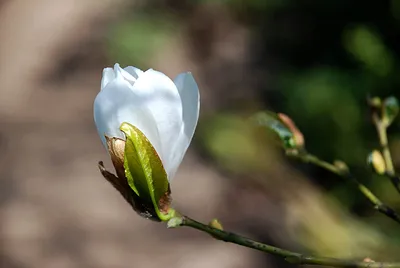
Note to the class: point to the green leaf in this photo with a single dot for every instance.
(390, 109)
(145, 172)
(272, 122)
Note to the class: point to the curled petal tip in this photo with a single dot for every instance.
(108, 76)
(117, 70)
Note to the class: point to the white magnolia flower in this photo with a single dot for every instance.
(165, 111)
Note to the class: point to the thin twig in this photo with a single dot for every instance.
(381, 129)
(289, 256)
(346, 174)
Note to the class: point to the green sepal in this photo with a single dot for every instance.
(145, 172)
(272, 122)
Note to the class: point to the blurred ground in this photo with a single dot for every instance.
(56, 210)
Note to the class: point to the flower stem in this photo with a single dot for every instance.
(381, 129)
(289, 256)
(374, 200)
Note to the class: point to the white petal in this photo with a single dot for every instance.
(160, 96)
(116, 104)
(108, 75)
(190, 97)
(135, 72)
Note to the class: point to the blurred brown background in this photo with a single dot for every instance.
(314, 60)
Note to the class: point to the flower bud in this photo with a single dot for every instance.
(283, 127)
(216, 224)
(146, 122)
(297, 135)
(342, 166)
(377, 163)
(375, 103)
(368, 259)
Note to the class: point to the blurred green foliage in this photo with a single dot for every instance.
(367, 47)
(230, 140)
(137, 38)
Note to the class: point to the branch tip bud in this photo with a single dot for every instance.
(377, 162)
